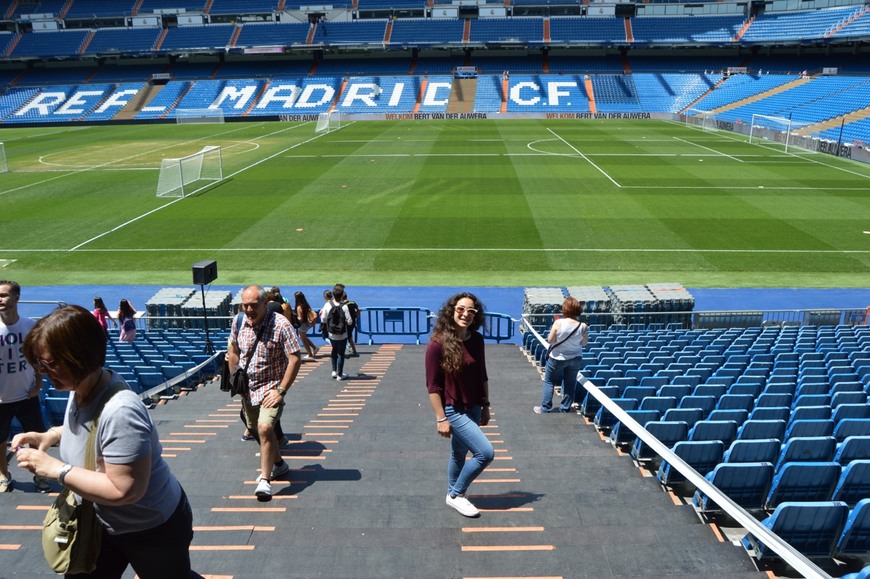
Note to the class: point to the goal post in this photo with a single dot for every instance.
(704, 120)
(328, 122)
(771, 129)
(4, 166)
(197, 116)
(180, 177)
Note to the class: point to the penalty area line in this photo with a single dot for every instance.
(476, 249)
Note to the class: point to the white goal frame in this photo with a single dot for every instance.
(176, 174)
(704, 120)
(4, 165)
(328, 122)
(772, 129)
(199, 116)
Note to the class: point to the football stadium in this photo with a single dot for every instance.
(694, 176)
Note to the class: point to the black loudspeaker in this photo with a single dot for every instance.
(204, 272)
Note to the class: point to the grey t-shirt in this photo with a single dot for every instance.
(125, 433)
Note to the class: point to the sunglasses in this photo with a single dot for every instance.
(462, 310)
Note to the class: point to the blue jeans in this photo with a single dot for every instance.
(560, 373)
(337, 355)
(466, 436)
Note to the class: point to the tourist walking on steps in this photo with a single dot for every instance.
(145, 516)
(127, 318)
(267, 348)
(337, 319)
(306, 317)
(19, 382)
(102, 314)
(567, 338)
(458, 389)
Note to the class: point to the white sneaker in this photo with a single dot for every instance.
(264, 489)
(334, 374)
(462, 506)
(280, 470)
(342, 377)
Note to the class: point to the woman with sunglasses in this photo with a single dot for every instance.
(146, 517)
(458, 389)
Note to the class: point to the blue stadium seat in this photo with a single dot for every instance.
(803, 481)
(639, 392)
(768, 400)
(589, 407)
(738, 416)
(703, 456)
(656, 381)
(854, 483)
(848, 398)
(851, 427)
(805, 428)
(852, 448)
(744, 483)
(678, 392)
(724, 431)
(850, 411)
(55, 408)
(660, 403)
(762, 450)
(811, 400)
(751, 389)
(770, 413)
(807, 449)
(668, 433)
(735, 402)
(855, 538)
(811, 527)
(604, 419)
(688, 415)
(620, 435)
(811, 413)
(756, 429)
(705, 403)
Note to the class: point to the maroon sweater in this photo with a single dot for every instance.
(464, 388)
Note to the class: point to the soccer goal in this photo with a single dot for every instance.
(773, 130)
(4, 166)
(704, 120)
(180, 177)
(195, 116)
(328, 122)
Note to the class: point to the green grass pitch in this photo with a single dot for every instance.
(501, 203)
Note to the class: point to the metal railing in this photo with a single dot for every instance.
(376, 322)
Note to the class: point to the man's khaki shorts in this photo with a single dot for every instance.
(258, 414)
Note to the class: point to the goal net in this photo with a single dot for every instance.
(704, 120)
(328, 122)
(182, 177)
(193, 116)
(773, 130)
(4, 166)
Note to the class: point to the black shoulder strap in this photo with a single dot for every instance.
(568, 337)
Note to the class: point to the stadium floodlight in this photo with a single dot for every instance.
(196, 116)
(176, 174)
(328, 122)
(4, 166)
(704, 120)
(773, 129)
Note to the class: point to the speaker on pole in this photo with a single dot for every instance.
(205, 272)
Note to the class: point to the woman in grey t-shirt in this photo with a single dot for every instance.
(146, 518)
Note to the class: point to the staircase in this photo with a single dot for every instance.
(852, 117)
(138, 102)
(763, 95)
(462, 95)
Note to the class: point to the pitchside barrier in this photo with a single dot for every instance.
(790, 555)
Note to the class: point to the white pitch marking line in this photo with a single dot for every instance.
(585, 158)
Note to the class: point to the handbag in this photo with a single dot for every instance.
(552, 347)
(71, 533)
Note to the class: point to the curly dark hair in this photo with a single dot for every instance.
(445, 331)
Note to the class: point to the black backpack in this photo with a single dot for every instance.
(336, 323)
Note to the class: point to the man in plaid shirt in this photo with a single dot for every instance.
(273, 345)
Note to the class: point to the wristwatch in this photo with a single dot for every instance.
(282, 392)
(63, 472)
